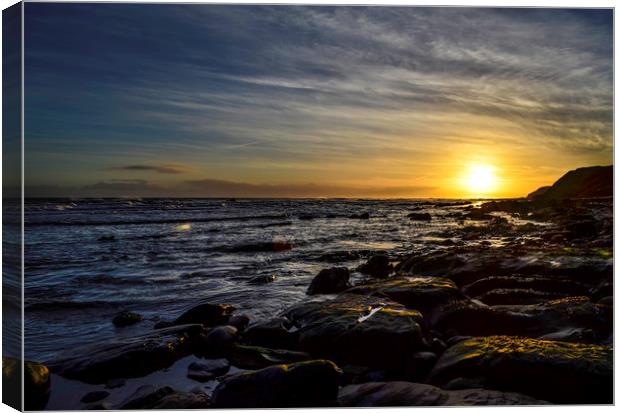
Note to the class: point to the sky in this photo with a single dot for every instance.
(291, 101)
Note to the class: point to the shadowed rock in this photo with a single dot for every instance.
(128, 357)
(330, 281)
(208, 369)
(555, 371)
(307, 384)
(401, 393)
(377, 266)
(207, 314)
(255, 357)
(420, 216)
(163, 397)
(127, 318)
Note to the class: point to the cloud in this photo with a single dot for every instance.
(162, 169)
(214, 188)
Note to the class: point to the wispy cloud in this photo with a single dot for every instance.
(161, 169)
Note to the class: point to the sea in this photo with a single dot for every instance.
(88, 259)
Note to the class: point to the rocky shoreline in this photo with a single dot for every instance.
(526, 322)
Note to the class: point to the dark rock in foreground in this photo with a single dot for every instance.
(589, 182)
(207, 314)
(37, 384)
(358, 329)
(420, 216)
(420, 293)
(330, 281)
(307, 384)
(163, 397)
(129, 357)
(549, 370)
(377, 266)
(400, 393)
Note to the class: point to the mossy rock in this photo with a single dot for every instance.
(358, 329)
(548, 370)
(305, 384)
(421, 293)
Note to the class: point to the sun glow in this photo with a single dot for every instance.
(480, 180)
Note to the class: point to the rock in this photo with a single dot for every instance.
(608, 301)
(127, 318)
(115, 383)
(307, 384)
(145, 397)
(263, 279)
(420, 216)
(555, 371)
(557, 285)
(420, 365)
(421, 293)
(207, 370)
(106, 238)
(240, 322)
(275, 333)
(129, 357)
(330, 281)
(94, 396)
(182, 401)
(438, 346)
(517, 296)
(604, 289)
(255, 357)
(363, 215)
(357, 329)
(221, 338)
(162, 324)
(400, 393)
(207, 314)
(37, 381)
(594, 181)
(571, 335)
(377, 266)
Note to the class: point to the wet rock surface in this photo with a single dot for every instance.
(358, 329)
(330, 281)
(129, 357)
(514, 307)
(555, 371)
(400, 393)
(313, 383)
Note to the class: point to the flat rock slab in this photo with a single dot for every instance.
(208, 369)
(128, 357)
(306, 384)
(420, 293)
(358, 329)
(400, 393)
(163, 397)
(548, 370)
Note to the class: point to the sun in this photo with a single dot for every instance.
(480, 180)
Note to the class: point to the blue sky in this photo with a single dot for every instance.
(195, 100)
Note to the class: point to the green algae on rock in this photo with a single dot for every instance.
(358, 329)
(420, 293)
(549, 370)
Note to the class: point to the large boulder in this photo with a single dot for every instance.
(474, 319)
(589, 182)
(401, 393)
(306, 384)
(127, 318)
(330, 281)
(549, 370)
(129, 357)
(377, 266)
(420, 293)
(206, 314)
(37, 384)
(358, 329)
(278, 332)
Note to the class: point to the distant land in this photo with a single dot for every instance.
(588, 182)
